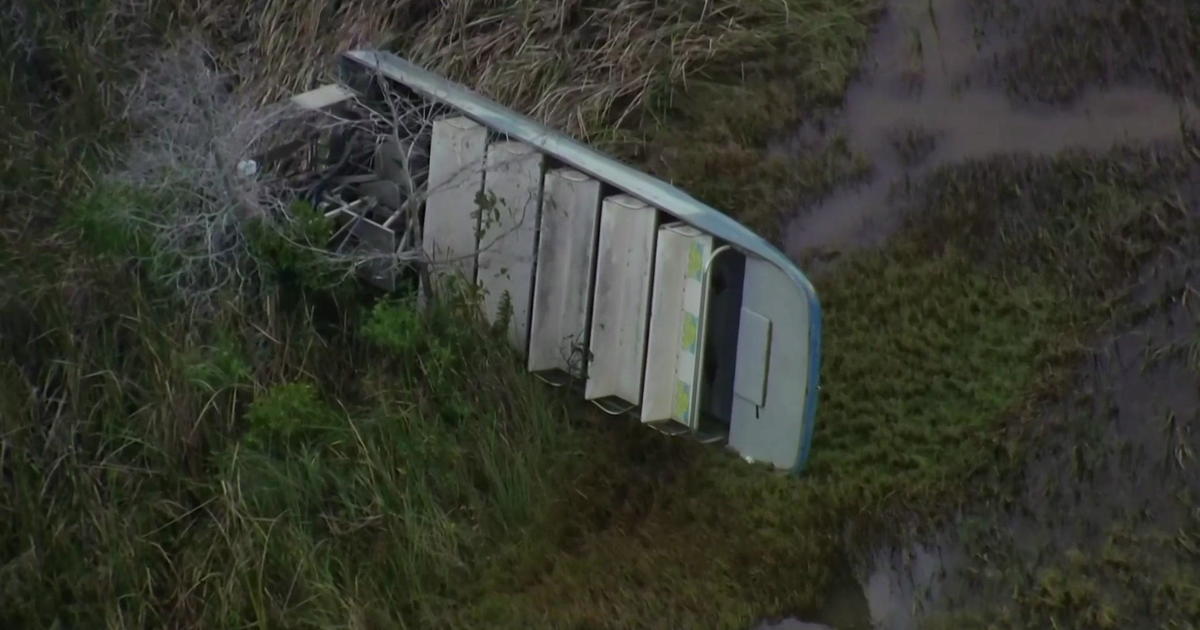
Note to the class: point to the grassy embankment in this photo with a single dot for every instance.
(302, 458)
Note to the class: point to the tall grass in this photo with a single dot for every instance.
(307, 456)
(661, 83)
(260, 468)
(299, 457)
(942, 349)
(1116, 43)
(587, 67)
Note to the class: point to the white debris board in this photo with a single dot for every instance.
(322, 97)
(457, 151)
(621, 303)
(563, 287)
(508, 234)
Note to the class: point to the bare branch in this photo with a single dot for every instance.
(219, 163)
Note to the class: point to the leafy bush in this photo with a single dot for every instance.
(218, 366)
(108, 219)
(396, 326)
(293, 251)
(288, 414)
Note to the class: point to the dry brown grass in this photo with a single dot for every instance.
(690, 91)
(583, 66)
(667, 84)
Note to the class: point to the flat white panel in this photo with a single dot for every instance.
(563, 287)
(508, 234)
(457, 151)
(774, 431)
(666, 322)
(671, 362)
(753, 353)
(620, 305)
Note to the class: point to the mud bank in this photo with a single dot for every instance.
(929, 97)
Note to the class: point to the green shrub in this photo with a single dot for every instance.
(294, 251)
(287, 414)
(396, 326)
(221, 366)
(110, 219)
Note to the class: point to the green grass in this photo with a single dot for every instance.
(1101, 499)
(1112, 42)
(250, 470)
(939, 348)
(310, 456)
(1133, 575)
(298, 458)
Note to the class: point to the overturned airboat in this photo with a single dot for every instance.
(653, 303)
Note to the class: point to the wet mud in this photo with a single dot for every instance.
(1110, 469)
(1114, 464)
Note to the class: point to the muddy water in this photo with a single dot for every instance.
(924, 101)
(892, 590)
(1118, 455)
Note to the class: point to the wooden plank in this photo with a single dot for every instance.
(508, 234)
(457, 151)
(621, 302)
(562, 293)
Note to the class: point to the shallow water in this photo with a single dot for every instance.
(846, 608)
(924, 101)
(891, 592)
(1119, 454)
